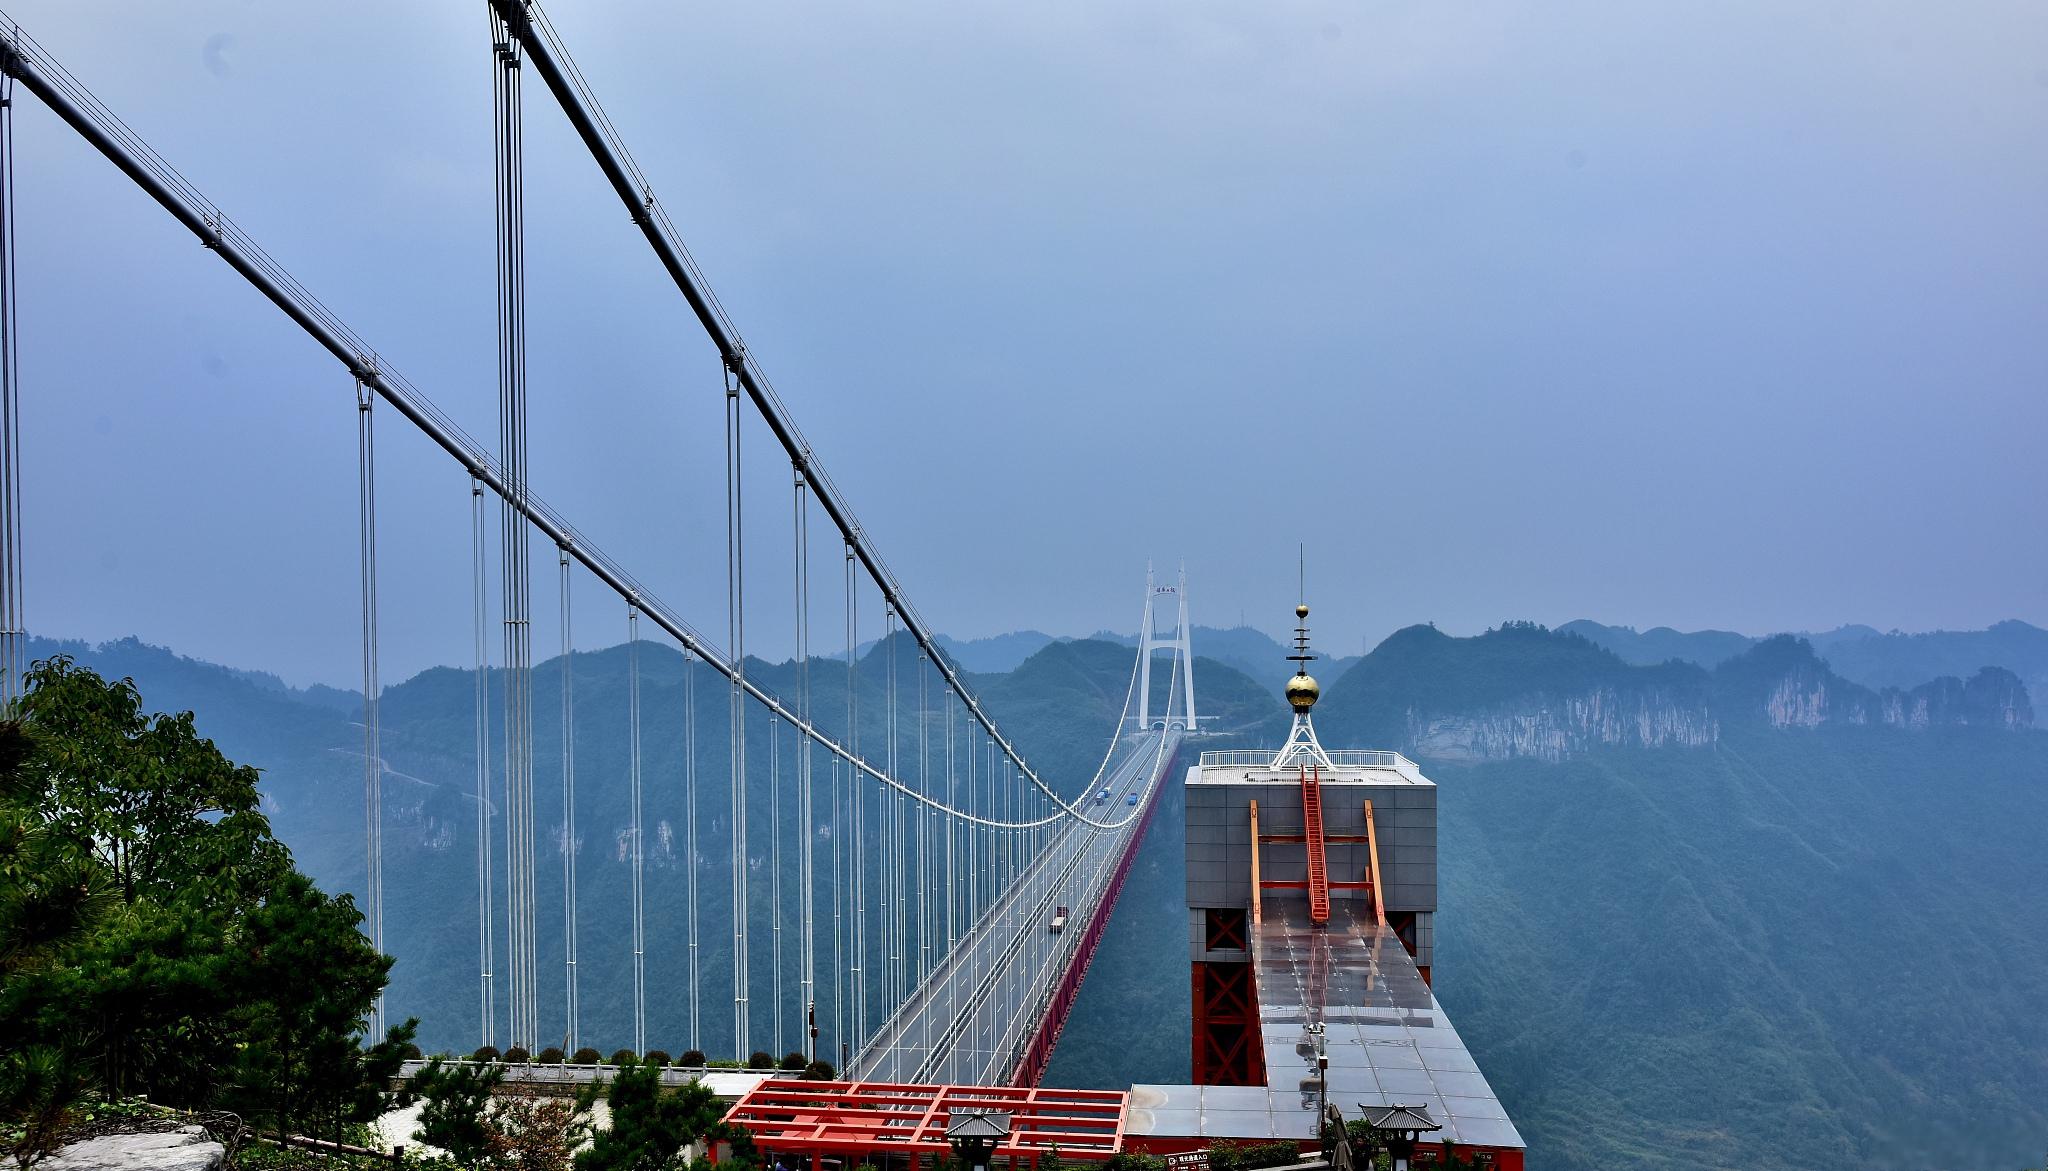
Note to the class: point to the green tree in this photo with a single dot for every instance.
(305, 974)
(455, 1100)
(51, 894)
(649, 1129)
(164, 811)
(152, 928)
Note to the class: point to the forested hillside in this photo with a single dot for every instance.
(1060, 707)
(1796, 944)
(1813, 936)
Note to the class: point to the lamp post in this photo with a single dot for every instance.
(1319, 1035)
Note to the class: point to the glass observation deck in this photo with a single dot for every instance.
(1388, 1041)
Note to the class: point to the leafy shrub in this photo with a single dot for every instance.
(517, 1055)
(485, 1053)
(819, 1071)
(412, 1052)
(585, 1056)
(691, 1058)
(550, 1056)
(793, 1062)
(654, 1057)
(1230, 1156)
(1133, 1161)
(621, 1057)
(761, 1059)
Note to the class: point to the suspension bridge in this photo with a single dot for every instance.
(946, 897)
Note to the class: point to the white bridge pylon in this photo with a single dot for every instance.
(1149, 643)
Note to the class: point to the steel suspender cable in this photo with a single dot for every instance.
(899, 831)
(486, 916)
(924, 841)
(510, 167)
(13, 618)
(570, 844)
(839, 892)
(637, 836)
(373, 756)
(974, 833)
(775, 878)
(735, 586)
(806, 825)
(885, 815)
(858, 845)
(690, 835)
(953, 883)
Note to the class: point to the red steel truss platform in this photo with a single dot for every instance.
(863, 1121)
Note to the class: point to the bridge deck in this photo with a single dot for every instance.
(973, 1019)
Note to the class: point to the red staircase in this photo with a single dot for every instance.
(1312, 825)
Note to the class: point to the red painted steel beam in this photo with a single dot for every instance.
(1318, 864)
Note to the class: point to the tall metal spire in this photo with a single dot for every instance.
(1302, 692)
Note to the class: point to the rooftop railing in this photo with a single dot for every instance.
(1343, 758)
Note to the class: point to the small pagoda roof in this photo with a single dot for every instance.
(1397, 1117)
(968, 1122)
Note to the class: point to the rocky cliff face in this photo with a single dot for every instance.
(1552, 729)
(1800, 691)
(1524, 692)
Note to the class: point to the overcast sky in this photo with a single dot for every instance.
(1702, 314)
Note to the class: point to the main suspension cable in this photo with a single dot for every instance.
(76, 105)
(573, 92)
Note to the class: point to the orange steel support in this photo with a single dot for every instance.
(1318, 868)
(1372, 849)
(1227, 1050)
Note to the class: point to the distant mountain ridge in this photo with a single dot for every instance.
(1248, 649)
(1860, 654)
(1521, 690)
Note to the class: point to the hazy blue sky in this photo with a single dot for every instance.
(1709, 314)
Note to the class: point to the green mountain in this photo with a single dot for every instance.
(1060, 707)
(1661, 644)
(1758, 916)
(1808, 933)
